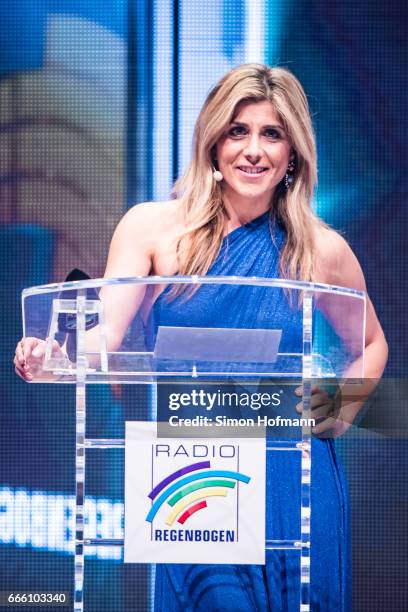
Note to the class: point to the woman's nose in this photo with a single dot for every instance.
(253, 149)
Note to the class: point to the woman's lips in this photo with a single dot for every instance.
(252, 172)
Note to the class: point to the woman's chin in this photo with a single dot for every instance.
(250, 192)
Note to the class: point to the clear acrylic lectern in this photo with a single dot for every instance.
(149, 330)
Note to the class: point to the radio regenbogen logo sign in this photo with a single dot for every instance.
(187, 490)
(193, 500)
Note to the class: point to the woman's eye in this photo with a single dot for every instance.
(236, 131)
(272, 133)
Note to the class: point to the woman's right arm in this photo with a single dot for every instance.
(130, 254)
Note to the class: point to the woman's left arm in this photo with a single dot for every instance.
(337, 265)
(347, 272)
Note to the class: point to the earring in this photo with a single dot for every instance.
(289, 172)
(217, 175)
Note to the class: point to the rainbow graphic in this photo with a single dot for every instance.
(190, 485)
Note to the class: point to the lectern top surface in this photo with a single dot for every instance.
(195, 280)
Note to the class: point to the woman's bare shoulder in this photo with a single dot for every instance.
(329, 244)
(149, 220)
(334, 261)
(139, 236)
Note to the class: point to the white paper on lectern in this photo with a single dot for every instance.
(229, 529)
(217, 344)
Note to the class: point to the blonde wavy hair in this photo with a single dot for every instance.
(200, 195)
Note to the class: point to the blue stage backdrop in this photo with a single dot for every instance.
(97, 104)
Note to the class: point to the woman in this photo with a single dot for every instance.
(244, 208)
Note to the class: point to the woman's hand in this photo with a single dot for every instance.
(326, 411)
(29, 357)
(335, 412)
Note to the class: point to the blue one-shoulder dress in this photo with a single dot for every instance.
(253, 250)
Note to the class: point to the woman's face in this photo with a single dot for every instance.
(253, 155)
